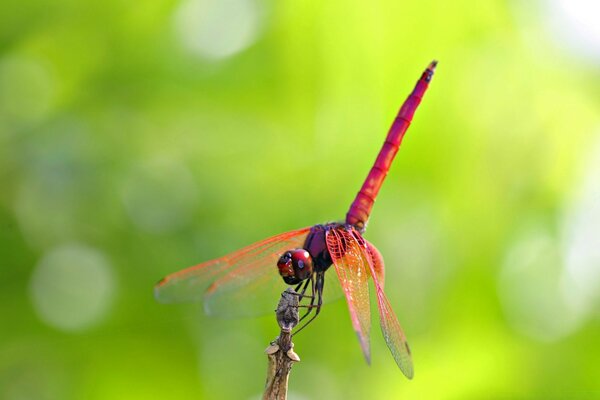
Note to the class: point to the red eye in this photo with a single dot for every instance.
(295, 266)
(301, 258)
(302, 262)
(285, 266)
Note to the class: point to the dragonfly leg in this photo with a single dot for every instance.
(305, 287)
(298, 286)
(302, 294)
(312, 297)
(318, 287)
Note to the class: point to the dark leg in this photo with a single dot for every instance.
(319, 295)
(304, 288)
(312, 298)
(301, 294)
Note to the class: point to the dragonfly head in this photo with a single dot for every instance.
(295, 266)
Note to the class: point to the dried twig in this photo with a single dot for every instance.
(281, 350)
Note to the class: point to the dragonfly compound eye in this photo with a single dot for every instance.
(302, 263)
(295, 266)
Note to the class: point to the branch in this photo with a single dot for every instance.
(281, 350)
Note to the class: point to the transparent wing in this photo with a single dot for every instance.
(350, 265)
(378, 264)
(390, 327)
(332, 290)
(243, 283)
(234, 294)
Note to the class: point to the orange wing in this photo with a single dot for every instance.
(242, 283)
(390, 327)
(378, 264)
(350, 265)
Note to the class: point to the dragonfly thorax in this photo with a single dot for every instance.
(295, 266)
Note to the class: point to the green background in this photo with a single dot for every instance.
(138, 138)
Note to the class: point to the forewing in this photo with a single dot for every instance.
(350, 266)
(390, 327)
(245, 282)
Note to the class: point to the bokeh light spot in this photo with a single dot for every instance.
(160, 195)
(217, 29)
(575, 23)
(581, 237)
(57, 185)
(530, 289)
(71, 287)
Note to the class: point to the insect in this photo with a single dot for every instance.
(243, 281)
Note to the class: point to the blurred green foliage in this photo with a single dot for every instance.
(140, 138)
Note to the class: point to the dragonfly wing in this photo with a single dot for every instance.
(238, 284)
(390, 327)
(377, 261)
(350, 266)
(333, 290)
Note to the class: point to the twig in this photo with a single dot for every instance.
(281, 350)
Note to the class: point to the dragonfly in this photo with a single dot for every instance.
(245, 280)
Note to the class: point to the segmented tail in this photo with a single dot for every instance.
(360, 209)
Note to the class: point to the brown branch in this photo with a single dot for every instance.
(281, 350)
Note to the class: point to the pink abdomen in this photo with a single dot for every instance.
(360, 209)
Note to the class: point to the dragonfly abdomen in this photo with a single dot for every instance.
(360, 209)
